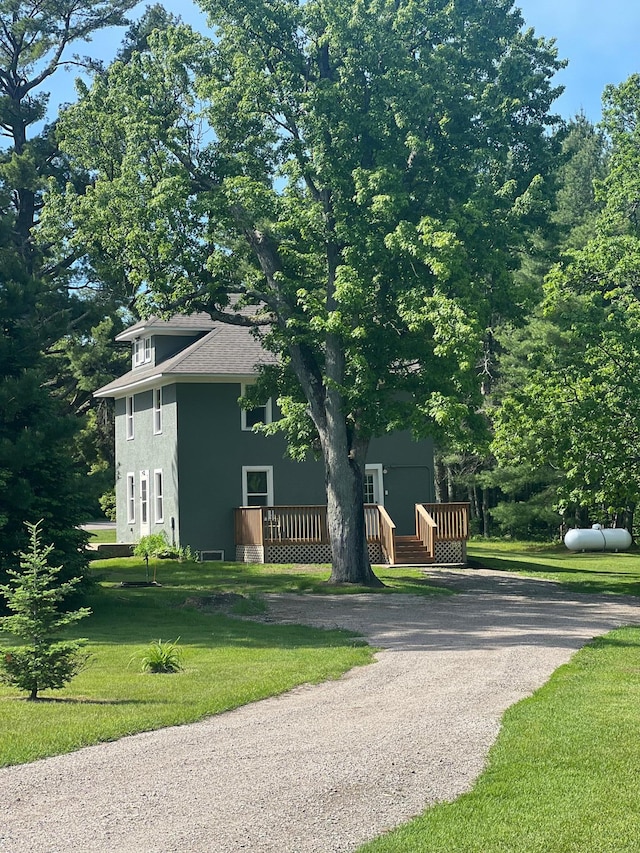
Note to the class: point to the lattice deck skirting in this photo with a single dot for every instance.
(309, 552)
(305, 552)
(249, 553)
(450, 552)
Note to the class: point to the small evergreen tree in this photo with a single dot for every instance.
(33, 595)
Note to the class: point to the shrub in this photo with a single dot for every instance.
(187, 555)
(108, 504)
(163, 657)
(154, 545)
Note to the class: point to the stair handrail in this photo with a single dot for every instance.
(425, 529)
(387, 535)
(452, 521)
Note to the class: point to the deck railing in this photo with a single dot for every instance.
(425, 529)
(291, 525)
(294, 525)
(387, 535)
(451, 520)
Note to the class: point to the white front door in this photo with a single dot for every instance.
(144, 503)
(373, 485)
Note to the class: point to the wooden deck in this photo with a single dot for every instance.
(273, 526)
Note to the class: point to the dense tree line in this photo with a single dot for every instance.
(47, 309)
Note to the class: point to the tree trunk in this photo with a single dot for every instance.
(486, 527)
(344, 460)
(451, 495)
(345, 520)
(440, 477)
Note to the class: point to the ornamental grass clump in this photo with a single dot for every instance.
(34, 595)
(163, 657)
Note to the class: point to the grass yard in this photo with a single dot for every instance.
(589, 572)
(256, 579)
(102, 535)
(563, 774)
(227, 662)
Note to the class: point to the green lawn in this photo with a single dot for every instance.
(256, 579)
(589, 572)
(228, 662)
(563, 775)
(97, 537)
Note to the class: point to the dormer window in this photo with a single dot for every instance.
(141, 351)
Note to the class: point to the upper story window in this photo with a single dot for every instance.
(130, 411)
(257, 415)
(141, 351)
(157, 411)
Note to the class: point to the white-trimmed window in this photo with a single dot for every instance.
(374, 484)
(131, 498)
(141, 351)
(130, 411)
(158, 496)
(258, 415)
(157, 411)
(257, 485)
(144, 503)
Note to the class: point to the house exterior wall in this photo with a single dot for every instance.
(212, 450)
(407, 476)
(201, 452)
(151, 452)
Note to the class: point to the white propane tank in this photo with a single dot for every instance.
(598, 538)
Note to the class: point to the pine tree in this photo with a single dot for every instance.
(33, 595)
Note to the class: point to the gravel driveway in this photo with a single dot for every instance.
(323, 768)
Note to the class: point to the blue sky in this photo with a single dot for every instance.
(600, 39)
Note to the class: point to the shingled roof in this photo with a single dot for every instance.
(225, 352)
(178, 324)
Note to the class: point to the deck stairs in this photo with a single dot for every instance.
(411, 552)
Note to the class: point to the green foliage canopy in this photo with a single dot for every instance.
(579, 408)
(365, 173)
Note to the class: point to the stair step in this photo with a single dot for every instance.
(405, 560)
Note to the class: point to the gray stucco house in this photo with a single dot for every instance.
(188, 461)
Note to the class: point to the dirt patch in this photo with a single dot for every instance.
(218, 601)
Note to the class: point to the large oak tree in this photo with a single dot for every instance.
(363, 174)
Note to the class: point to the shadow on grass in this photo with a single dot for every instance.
(615, 641)
(192, 578)
(132, 622)
(576, 578)
(71, 700)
